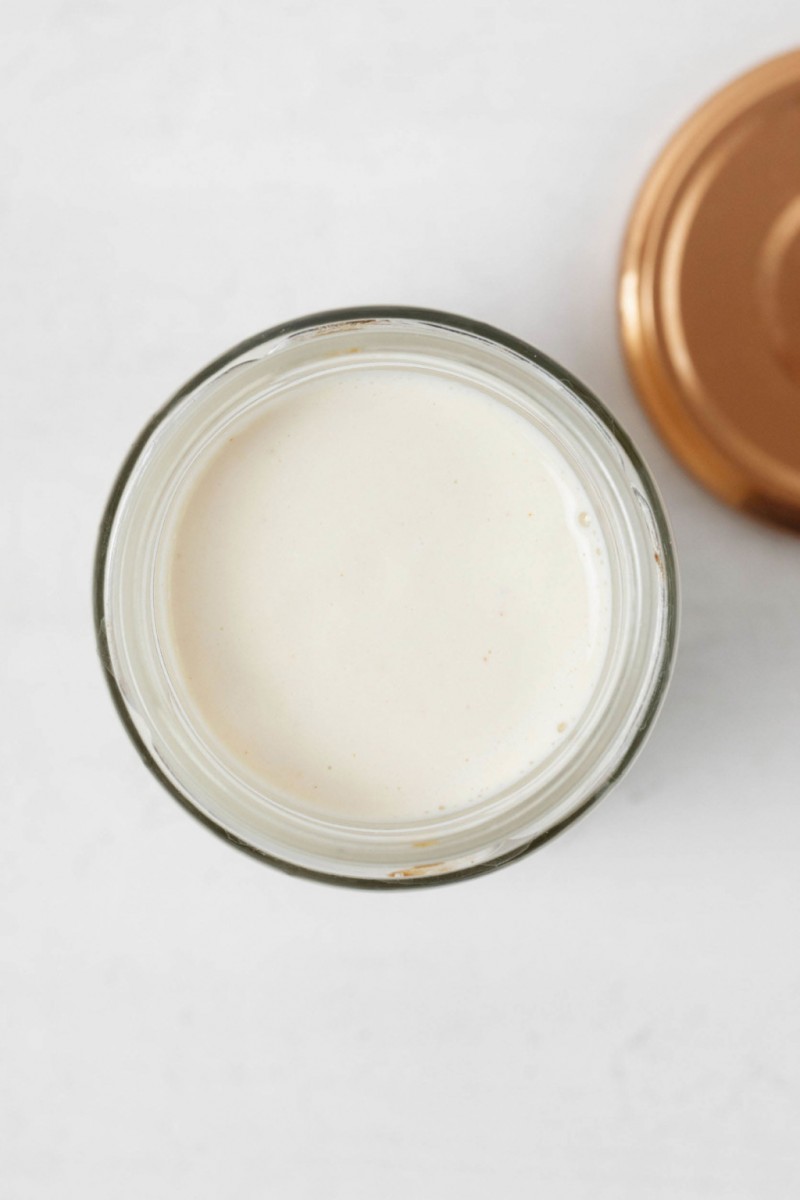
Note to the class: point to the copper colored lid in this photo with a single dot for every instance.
(710, 292)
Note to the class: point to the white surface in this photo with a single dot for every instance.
(618, 1015)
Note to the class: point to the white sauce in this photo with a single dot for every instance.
(388, 595)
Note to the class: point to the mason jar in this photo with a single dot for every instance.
(543, 410)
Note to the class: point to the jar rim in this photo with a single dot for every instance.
(350, 320)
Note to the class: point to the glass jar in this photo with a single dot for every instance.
(129, 599)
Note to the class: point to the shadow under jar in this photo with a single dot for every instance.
(386, 597)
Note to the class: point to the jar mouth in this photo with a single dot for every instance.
(183, 751)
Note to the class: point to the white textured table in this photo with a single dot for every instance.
(619, 1015)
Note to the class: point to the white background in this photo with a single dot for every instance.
(616, 1016)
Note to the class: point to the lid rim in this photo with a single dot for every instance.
(646, 350)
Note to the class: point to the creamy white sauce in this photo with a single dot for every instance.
(387, 595)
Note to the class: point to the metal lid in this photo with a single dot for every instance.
(710, 292)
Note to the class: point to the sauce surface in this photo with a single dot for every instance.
(387, 595)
